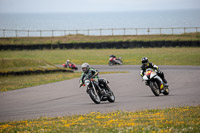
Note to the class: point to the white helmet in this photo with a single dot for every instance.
(85, 67)
(67, 60)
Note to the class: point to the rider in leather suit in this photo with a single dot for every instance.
(146, 64)
(67, 63)
(88, 71)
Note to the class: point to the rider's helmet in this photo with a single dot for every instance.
(113, 56)
(85, 67)
(67, 60)
(144, 60)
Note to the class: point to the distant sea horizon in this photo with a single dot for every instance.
(100, 20)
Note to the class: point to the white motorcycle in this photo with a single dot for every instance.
(155, 82)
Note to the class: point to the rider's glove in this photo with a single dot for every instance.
(96, 74)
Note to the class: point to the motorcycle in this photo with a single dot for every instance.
(72, 66)
(97, 92)
(155, 82)
(115, 61)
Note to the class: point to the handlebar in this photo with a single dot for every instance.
(89, 79)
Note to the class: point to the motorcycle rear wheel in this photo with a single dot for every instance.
(166, 92)
(121, 62)
(95, 98)
(111, 97)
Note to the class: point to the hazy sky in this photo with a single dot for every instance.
(35, 6)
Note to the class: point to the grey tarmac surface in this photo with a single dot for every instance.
(66, 98)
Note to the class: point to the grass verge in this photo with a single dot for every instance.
(159, 56)
(170, 120)
(94, 39)
(16, 82)
(24, 66)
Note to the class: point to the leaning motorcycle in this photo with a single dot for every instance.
(72, 66)
(97, 92)
(155, 82)
(115, 61)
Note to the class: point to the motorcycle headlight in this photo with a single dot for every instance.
(87, 82)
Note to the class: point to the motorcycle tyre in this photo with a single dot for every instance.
(152, 86)
(110, 99)
(166, 92)
(110, 63)
(121, 62)
(90, 92)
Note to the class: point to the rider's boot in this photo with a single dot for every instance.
(164, 80)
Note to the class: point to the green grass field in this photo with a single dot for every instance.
(17, 64)
(17, 82)
(170, 120)
(159, 56)
(82, 38)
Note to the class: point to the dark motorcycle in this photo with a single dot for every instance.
(155, 82)
(99, 92)
(115, 61)
(72, 66)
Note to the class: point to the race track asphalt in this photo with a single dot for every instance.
(66, 98)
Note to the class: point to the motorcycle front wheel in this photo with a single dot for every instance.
(95, 98)
(121, 62)
(110, 63)
(154, 88)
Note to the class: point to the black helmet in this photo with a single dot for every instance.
(144, 60)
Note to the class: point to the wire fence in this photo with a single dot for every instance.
(4, 33)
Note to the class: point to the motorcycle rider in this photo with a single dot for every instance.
(146, 64)
(90, 72)
(67, 63)
(113, 58)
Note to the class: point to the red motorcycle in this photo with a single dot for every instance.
(72, 66)
(115, 61)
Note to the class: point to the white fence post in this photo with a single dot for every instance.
(16, 33)
(4, 33)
